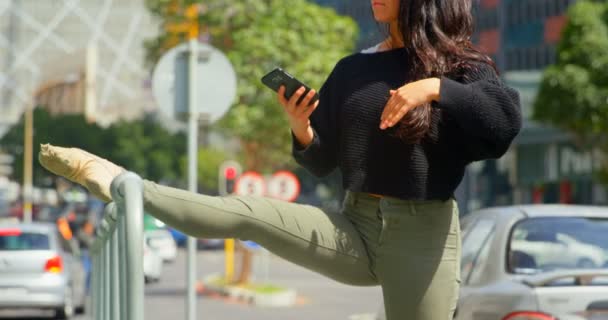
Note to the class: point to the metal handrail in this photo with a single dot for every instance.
(117, 274)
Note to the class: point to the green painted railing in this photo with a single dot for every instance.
(117, 275)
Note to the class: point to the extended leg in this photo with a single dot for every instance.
(325, 243)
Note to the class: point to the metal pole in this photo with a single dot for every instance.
(122, 238)
(90, 97)
(102, 283)
(192, 174)
(114, 277)
(502, 24)
(27, 164)
(107, 298)
(93, 287)
(133, 212)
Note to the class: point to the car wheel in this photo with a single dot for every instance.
(585, 264)
(67, 311)
(80, 309)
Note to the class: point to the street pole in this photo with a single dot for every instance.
(27, 164)
(502, 25)
(192, 174)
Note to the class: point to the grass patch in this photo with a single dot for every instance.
(255, 287)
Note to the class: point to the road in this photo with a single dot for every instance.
(319, 297)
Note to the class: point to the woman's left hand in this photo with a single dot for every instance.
(407, 98)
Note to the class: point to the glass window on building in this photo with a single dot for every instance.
(542, 9)
(552, 8)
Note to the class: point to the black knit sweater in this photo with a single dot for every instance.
(476, 118)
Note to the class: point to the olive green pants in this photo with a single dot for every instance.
(410, 248)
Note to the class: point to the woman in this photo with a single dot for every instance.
(401, 121)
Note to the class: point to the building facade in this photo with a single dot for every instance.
(48, 48)
(544, 165)
(370, 32)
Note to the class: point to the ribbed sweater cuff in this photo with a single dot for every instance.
(300, 149)
(453, 95)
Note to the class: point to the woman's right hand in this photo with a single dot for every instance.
(299, 114)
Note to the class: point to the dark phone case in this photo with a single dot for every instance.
(277, 77)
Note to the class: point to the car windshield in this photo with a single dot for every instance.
(545, 244)
(18, 241)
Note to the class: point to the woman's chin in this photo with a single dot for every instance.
(382, 19)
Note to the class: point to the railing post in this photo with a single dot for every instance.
(114, 276)
(127, 191)
(94, 287)
(117, 287)
(122, 237)
(106, 281)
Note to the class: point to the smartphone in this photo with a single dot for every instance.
(279, 77)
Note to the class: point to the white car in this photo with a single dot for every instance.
(39, 269)
(161, 241)
(534, 262)
(153, 263)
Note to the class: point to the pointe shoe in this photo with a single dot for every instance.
(92, 172)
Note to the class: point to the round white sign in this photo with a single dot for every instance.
(284, 185)
(216, 85)
(250, 184)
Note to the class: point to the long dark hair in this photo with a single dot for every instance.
(437, 35)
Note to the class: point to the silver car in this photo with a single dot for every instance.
(537, 262)
(39, 269)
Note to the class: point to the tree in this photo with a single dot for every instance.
(574, 92)
(258, 35)
(141, 146)
(147, 148)
(49, 129)
(209, 161)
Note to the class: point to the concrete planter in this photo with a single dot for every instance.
(285, 298)
(279, 297)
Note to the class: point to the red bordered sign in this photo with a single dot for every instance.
(284, 185)
(250, 184)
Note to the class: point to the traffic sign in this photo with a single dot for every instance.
(216, 86)
(284, 185)
(250, 184)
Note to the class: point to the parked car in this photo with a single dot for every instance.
(525, 263)
(153, 263)
(532, 262)
(39, 269)
(161, 241)
(595, 311)
(210, 244)
(179, 237)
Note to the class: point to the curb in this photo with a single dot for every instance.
(283, 298)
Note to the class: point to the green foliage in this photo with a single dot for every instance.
(574, 92)
(141, 146)
(209, 161)
(146, 147)
(257, 35)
